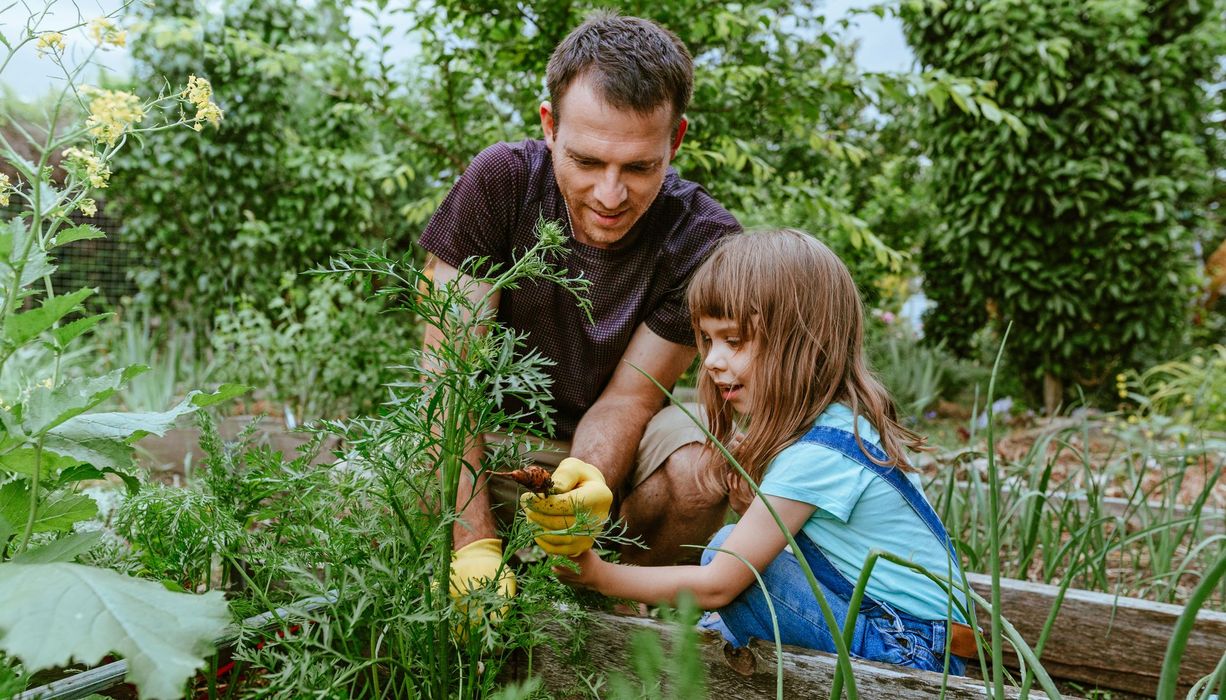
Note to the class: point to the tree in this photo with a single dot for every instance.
(294, 174)
(1079, 233)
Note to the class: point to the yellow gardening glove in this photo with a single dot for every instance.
(578, 487)
(477, 563)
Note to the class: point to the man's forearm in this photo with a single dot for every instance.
(608, 437)
(473, 502)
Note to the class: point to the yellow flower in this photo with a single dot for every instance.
(1123, 393)
(111, 112)
(49, 42)
(88, 164)
(88, 206)
(199, 92)
(1133, 420)
(5, 190)
(1121, 378)
(104, 31)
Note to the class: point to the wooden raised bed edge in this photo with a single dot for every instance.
(806, 673)
(1107, 641)
(108, 676)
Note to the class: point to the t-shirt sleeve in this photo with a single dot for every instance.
(818, 476)
(478, 215)
(671, 318)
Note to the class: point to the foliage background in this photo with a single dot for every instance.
(1082, 234)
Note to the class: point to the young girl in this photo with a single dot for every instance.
(780, 326)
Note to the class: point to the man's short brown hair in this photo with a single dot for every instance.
(634, 64)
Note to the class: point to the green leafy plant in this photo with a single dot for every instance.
(321, 347)
(293, 174)
(1191, 391)
(53, 438)
(1080, 233)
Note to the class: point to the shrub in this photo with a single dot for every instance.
(1079, 233)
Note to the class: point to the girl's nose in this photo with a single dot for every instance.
(714, 360)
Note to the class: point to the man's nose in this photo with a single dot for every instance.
(610, 191)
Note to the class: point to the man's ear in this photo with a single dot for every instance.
(681, 127)
(547, 122)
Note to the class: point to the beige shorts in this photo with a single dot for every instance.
(668, 431)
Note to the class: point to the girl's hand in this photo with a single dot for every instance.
(740, 496)
(589, 565)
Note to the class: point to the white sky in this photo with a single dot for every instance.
(882, 47)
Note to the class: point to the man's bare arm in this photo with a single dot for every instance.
(608, 435)
(473, 499)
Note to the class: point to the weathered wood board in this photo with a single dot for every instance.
(608, 639)
(1106, 641)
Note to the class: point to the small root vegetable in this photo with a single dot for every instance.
(535, 479)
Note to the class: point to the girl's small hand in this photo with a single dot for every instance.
(740, 496)
(585, 577)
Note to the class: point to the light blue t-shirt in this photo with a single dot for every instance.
(858, 511)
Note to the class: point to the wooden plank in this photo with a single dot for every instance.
(1110, 642)
(607, 639)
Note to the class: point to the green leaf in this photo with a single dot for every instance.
(88, 472)
(68, 332)
(81, 232)
(71, 612)
(102, 453)
(224, 393)
(64, 549)
(21, 461)
(6, 531)
(21, 327)
(49, 407)
(58, 512)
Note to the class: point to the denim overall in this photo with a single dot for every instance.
(881, 632)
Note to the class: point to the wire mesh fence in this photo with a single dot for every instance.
(103, 264)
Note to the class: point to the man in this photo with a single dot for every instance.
(618, 89)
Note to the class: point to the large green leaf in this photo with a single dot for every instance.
(19, 328)
(103, 453)
(58, 512)
(49, 407)
(22, 462)
(63, 612)
(64, 549)
(133, 426)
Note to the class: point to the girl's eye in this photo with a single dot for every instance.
(733, 342)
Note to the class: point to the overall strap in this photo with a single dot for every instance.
(844, 442)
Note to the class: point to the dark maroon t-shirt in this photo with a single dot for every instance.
(492, 211)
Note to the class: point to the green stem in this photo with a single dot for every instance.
(998, 667)
(31, 516)
(1168, 682)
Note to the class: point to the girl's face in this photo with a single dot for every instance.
(728, 359)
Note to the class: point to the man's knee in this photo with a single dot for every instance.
(694, 484)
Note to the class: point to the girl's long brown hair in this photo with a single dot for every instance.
(795, 299)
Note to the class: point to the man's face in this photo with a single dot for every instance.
(609, 163)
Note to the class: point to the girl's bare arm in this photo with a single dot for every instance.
(756, 538)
